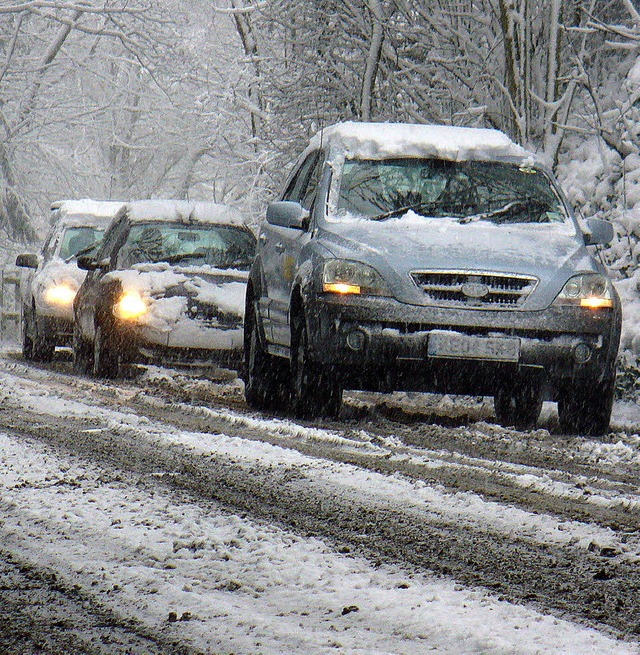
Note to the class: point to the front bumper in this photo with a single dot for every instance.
(57, 329)
(184, 344)
(390, 349)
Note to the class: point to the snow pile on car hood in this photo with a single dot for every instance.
(168, 290)
(57, 271)
(386, 140)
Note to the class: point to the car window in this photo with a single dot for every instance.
(309, 193)
(219, 246)
(49, 246)
(79, 239)
(297, 189)
(495, 191)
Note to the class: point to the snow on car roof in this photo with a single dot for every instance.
(170, 210)
(87, 206)
(384, 140)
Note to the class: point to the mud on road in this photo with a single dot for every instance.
(450, 446)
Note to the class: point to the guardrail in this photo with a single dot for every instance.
(10, 304)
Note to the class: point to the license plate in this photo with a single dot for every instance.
(453, 345)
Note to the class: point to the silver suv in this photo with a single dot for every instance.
(405, 257)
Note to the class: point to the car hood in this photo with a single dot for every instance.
(57, 271)
(175, 293)
(396, 247)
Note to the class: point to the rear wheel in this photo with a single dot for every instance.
(265, 385)
(107, 358)
(586, 410)
(518, 405)
(315, 390)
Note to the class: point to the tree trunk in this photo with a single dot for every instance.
(373, 60)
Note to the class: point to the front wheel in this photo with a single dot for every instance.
(265, 386)
(586, 410)
(518, 405)
(107, 358)
(315, 390)
(82, 353)
(36, 345)
(27, 339)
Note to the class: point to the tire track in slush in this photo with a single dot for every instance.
(591, 584)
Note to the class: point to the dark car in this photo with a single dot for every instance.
(167, 284)
(404, 257)
(49, 285)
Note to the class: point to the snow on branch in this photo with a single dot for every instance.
(71, 6)
(231, 11)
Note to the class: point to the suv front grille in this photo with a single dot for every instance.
(474, 289)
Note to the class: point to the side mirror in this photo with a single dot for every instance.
(87, 263)
(287, 214)
(27, 260)
(600, 232)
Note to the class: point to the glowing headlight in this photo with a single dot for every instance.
(348, 277)
(131, 305)
(587, 290)
(59, 294)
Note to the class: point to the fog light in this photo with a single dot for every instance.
(356, 339)
(582, 353)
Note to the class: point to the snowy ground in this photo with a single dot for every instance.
(226, 583)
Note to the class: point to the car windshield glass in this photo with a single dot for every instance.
(79, 240)
(468, 191)
(220, 246)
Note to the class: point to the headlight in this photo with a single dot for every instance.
(347, 277)
(130, 305)
(587, 290)
(60, 294)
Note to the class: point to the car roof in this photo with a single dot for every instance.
(140, 211)
(83, 220)
(388, 140)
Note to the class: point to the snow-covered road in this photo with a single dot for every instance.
(180, 516)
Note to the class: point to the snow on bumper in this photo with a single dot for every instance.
(381, 334)
(187, 336)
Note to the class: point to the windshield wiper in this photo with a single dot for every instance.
(400, 210)
(178, 257)
(497, 214)
(83, 251)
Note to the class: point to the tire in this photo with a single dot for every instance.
(107, 359)
(42, 347)
(315, 391)
(265, 384)
(585, 410)
(519, 405)
(82, 354)
(27, 339)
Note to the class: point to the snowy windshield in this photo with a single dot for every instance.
(79, 239)
(467, 191)
(220, 246)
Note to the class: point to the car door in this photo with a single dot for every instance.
(281, 246)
